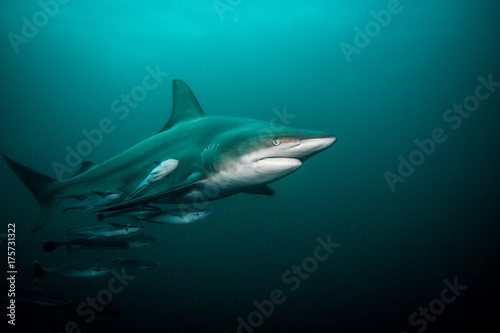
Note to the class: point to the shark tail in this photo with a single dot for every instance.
(49, 246)
(39, 270)
(38, 184)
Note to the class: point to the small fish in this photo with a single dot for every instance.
(99, 199)
(161, 171)
(138, 263)
(40, 296)
(73, 270)
(50, 300)
(138, 211)
(105, 230)
(103, 243)
(138, 241)
(177, 216)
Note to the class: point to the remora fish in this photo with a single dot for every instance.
(103, 243)
(220, 156)
(138, 263)
(73, 270)
(105, 230)
(177, 216)
(136, 211)
(161, 171)
(41, 296)
(49, 299)
(99, 199)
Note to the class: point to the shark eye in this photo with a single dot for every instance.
(276, 141)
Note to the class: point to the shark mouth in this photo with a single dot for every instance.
(283, 160)
(287, 162)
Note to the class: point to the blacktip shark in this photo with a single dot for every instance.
(217, 157)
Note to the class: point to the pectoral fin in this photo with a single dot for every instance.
(261, 189)
(180, 189)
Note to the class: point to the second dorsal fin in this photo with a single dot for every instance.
(86, 166)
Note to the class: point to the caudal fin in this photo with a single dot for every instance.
(39, 270)
(49, 246)
(38, 184)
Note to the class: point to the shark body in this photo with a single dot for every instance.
(217, 157)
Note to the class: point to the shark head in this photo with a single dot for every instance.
(253, 154)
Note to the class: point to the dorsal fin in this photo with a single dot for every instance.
(184, 105)
(86, 166)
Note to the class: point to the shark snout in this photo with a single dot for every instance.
(312, 146)
(319, 144)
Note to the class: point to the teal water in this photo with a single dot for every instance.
(401, 232)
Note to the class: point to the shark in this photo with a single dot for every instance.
(218, 156)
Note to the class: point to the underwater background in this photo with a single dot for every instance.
(409, 193)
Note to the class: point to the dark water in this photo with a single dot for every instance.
(378, 91)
